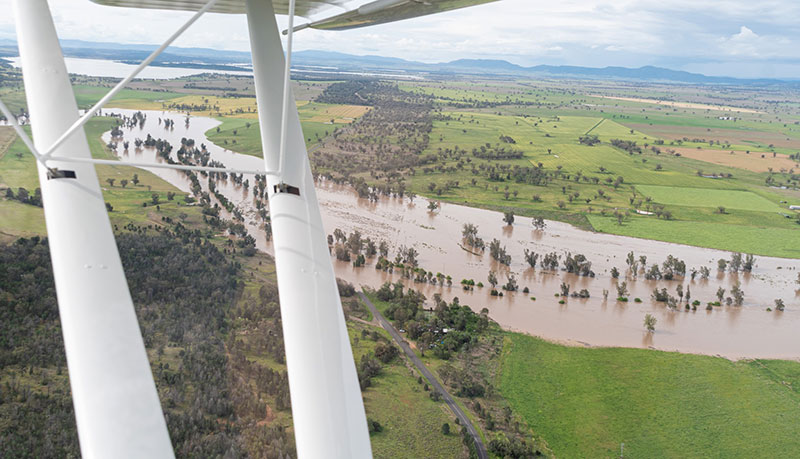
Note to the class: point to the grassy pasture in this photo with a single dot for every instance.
(754, 213)
(87, 95)
(22, 219)
(696, 197)
(314, 118)
(411, 420)
(586, 402)
(758, 240)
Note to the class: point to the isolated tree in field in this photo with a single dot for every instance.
(508, 217)
(721, 209)
(135, 179)
(445, 429)
(110, 182)
(123, 182)
(155, 198)
(650, 323)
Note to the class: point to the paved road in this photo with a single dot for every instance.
(429, 376)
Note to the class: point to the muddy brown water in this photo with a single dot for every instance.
(734, 332)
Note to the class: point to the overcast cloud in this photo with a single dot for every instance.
(743, 38)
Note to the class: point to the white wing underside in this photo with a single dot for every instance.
(373, 13)
(302, 7)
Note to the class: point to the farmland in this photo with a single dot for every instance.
(587, 402)
(623, 163)
(664, 160)
(699, 197)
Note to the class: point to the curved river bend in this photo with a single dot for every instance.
(734, 332)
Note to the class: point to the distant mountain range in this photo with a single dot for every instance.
(217, 59)
(500, 67)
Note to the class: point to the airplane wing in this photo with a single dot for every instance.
(302, 7)
(372, 13)
(384, 11)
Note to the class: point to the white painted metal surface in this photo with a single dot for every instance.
(327, 408)
(385, 11)
(303, 8)
(116, 403)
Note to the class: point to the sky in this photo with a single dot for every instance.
(740, 38)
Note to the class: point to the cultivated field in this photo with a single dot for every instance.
(755, 162)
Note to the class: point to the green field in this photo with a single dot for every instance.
(704, 197)
(247, 140)
(767, 241)
(20, 171)
(411, 420)
(754, 221)
(586, 402)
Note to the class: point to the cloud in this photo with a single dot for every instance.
(527, 32)
(748, 44)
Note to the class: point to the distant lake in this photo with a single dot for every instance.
(113, 69)
(106, 68)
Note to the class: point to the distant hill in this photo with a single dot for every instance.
(212, 58)
(502, 67)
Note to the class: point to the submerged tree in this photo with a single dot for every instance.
(650, 323)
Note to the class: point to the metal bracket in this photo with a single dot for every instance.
(54, 173)
(286, 188)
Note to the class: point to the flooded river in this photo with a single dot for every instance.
(747, 331)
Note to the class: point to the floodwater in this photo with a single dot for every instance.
(748, 331)
(114, 69)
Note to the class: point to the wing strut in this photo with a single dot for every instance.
(116, 404)
(328, 412)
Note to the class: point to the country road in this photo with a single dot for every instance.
(462, 417)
